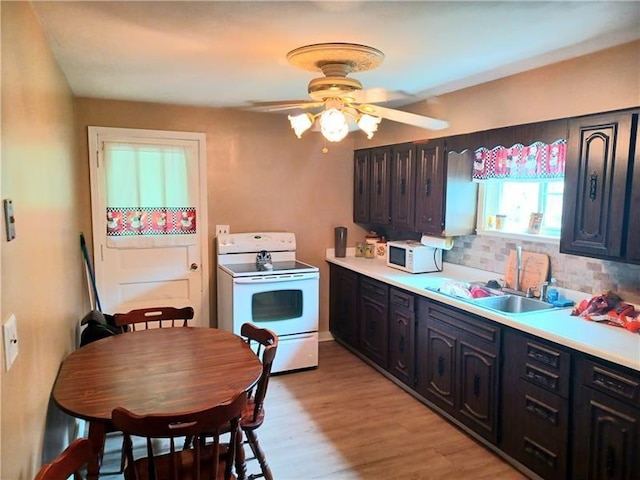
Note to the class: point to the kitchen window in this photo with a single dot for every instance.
(517, 202)
(521, 190)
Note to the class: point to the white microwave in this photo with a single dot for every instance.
(414, 257)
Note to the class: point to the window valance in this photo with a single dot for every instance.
(536, 162)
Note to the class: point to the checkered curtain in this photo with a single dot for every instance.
(539, 161)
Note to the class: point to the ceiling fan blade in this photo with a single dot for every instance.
(408, 118)
(279, 106)
(380, 95)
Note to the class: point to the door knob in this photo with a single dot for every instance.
(194, 266)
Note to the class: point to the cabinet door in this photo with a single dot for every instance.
(479, 389)
(429, 189)
(595, 185)
(361, 186)
(343, 319)
(402, 186)
(380, 186)
(401, 343)
(606, 437)
(374, 322)
(439, 375)
(633, 232)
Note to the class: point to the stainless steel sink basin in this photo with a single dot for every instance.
(512, 304)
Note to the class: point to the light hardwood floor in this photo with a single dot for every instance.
(345, 421)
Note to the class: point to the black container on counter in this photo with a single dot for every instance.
(340, 241)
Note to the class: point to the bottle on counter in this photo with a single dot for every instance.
(552, 291)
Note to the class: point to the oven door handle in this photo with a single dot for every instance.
(293, 277)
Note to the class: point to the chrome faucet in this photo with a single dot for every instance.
(518, 266)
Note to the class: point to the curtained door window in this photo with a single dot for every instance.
(148, 200)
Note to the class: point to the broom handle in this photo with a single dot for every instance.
(85, 254)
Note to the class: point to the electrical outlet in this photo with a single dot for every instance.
(222, 229)
(10, 336)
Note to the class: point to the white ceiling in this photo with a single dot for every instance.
(228, 53)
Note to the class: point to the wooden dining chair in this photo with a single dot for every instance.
(154, 317)
(211, 461)
(69, 463)
(265, 343)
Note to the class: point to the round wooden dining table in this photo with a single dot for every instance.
(164, 370)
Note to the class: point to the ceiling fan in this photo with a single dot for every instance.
(338, 101)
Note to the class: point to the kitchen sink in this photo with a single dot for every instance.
(512, 304)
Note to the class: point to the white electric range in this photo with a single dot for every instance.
(261, 281)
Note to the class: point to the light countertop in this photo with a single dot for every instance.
(610, 343)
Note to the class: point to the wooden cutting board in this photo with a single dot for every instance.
(535, 270)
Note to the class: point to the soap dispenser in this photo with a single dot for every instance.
(552, 291)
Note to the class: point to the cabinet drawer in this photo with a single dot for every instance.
(615, 382)
(543, 364)
(474, 326)
(401, 299)
(374, 290)
(541, 439)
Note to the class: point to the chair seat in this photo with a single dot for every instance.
(184, 465)
(247, 421)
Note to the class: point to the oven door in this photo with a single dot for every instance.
(286, 304)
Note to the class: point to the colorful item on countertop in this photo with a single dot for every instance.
(479, 292)
(610, 309)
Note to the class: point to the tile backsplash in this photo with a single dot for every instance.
(575, 273)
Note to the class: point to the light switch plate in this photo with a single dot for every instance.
(10, 336)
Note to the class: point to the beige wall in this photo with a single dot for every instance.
(607, 80)
(42, 281)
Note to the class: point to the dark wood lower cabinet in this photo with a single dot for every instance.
(374, 320)
(606, 422)
(343, 309)
(437, 346)
(535, 404)
(402, 321)
(557, 412)
(458, 367)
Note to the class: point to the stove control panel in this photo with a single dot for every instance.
(256, 242)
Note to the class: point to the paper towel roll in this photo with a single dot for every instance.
(437, 242)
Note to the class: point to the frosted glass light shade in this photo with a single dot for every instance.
(333, 125)
(300, 123)
(369, 124)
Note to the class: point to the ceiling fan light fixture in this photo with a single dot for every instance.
(368, 124)
(301, 123)
(333, 125)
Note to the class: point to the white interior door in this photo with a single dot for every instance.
(149, 214)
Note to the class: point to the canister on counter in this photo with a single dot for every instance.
(381, 249)
(372, 237)
(360, 249)
(370, 250)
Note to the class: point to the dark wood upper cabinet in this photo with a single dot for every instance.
(599, 160)
(402, 186)
(372, 185)
(430, 188)
(361, 185)
(633, 232)
(380, 186)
